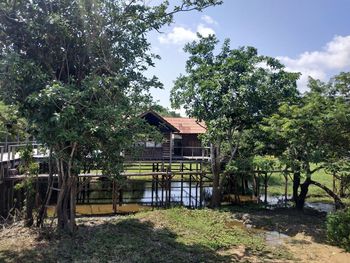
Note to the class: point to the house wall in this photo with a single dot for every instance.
(191, 145)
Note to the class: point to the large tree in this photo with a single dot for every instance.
(75, 71)
(312, 134)
(231, 91)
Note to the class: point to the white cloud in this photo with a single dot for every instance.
(181, 35)
(209, 20)
(205, 31)
(335, 56)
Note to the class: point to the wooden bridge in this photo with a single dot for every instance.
(147, 183)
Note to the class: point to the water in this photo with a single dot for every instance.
(138, 191)
(273, 238)
(274, 200)
(280, 200)
(321, 207)
(190, 195)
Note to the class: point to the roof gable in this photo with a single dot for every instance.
(187, 125)
(154, 118)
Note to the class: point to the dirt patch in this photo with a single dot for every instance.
(305, 232)
(127, 238)
(309, 251)
(286, 221)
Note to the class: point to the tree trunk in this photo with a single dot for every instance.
(285, 189)
(296, 184)
(45, 203)
(304, 189)
(30, 200)
(338, 202)
(72, 205)
(342, 186)
(215, 167)
(265, 187)
(66, 202)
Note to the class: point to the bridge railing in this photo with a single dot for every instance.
(191, 151)
(10, 155)
(8, 144)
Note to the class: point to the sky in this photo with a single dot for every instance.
(308, 36)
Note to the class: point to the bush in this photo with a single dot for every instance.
(338, 228)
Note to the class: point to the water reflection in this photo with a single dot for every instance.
(146, 192)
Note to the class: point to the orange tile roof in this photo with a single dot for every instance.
(187, 125)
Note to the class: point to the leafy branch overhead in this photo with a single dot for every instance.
(75, 70)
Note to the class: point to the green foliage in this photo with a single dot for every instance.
(75, 70)
(314, 130)
(266, 163)
(338, 228)
(231, 91)
(29, 168)
(11, 125)
(165, 112)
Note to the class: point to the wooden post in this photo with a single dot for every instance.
(8, 161)
(156, 186)
(171, 150)
(200, 189)
(190, 191)
(169, 175)
(162, 185)
(152, 194)
(13, 156)
(162, 167)
(196, 195)
(182, 188)
(2, 199)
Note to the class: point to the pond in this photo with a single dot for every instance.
(142, 192)
(280, 200)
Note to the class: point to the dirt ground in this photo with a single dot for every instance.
(302, 234)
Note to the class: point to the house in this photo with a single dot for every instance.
(181, 139)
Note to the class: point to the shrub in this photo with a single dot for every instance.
(338, 228)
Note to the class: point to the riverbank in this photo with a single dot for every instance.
(231, 234)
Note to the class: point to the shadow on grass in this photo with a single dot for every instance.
(127, 240)
(288, 221)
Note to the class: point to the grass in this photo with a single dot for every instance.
(315, 194)
(173, 235)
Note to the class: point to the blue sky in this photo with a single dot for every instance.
(308, 36)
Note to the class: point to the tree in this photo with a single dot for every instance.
(11, 125)
(165, 112)
(313, 131)
(231, 92)
(75, 71)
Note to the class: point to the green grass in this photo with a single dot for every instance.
(315, 194)
(206, 228)
(173, 235)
